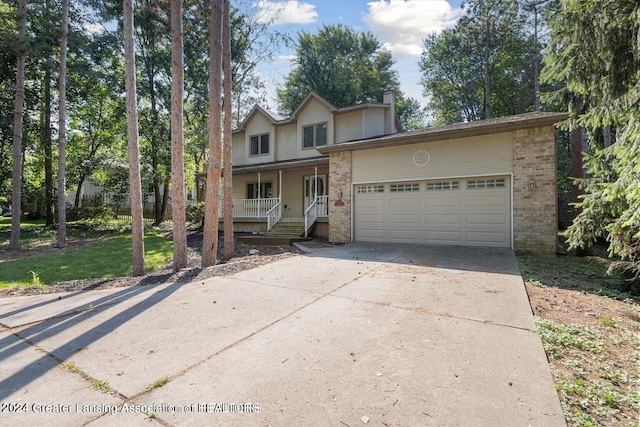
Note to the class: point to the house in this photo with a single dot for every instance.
(352, 174)
(278, 174)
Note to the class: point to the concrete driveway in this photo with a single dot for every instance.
(364, 334)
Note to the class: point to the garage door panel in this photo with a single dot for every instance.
(490, 218)
(472, 212)
(495, 201)
(405, 235)
(441, 202)
(443, 237)
(484, 238)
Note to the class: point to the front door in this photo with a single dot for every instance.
(311, 185)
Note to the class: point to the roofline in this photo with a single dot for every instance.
(283, 164)
(464, 130)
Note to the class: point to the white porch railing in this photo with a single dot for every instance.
(323, 206)
(274, 215)
(317, 208)
(250, 208)
(310, 216)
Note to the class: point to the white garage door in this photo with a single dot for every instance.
(466, 211)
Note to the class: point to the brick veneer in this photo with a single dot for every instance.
(535, 220)
(340, 211)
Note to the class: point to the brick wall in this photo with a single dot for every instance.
(340, 209)
(534, 210)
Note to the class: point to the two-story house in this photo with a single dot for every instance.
(352, 174)
(278, 174)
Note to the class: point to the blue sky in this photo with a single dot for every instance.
(399, 25)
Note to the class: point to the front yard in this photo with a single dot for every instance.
(590, 328)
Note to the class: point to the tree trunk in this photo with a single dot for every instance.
(48, 155)
(212, 192)
(178, 214)
(137, 222)
(228, 176)
(62, 117)
(16, 188)
(76, 202)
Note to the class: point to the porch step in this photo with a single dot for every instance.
(286, 229)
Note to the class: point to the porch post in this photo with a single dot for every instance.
(259, 196)
(280, 192)
(315, 184)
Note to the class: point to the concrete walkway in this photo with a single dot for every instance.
(379, 335)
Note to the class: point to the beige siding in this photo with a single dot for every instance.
(258, 125)
(482, 155)
(313, 113)
(349, 126)
(373, 122)
(238, 149)
(286, 142)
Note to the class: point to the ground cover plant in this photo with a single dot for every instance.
(94, 251)
(589, 324)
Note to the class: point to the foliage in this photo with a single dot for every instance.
(482, 67)
(595, 52)
(195, 212)
(345, 67)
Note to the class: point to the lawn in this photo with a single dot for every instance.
(105, 252)
(589, 324)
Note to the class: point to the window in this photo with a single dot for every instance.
(396, 188)
(314, 136)
(363, 189)
(266, 190)
(443, 185)
(260, 145)
(486, 183)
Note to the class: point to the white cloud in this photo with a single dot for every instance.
(286, 12)
(402, 24)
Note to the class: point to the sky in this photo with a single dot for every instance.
(399, 25)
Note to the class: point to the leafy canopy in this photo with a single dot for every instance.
(595, 51)
(345, 67)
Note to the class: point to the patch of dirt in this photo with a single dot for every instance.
(570, 306)
(242, 260)
(594, 354)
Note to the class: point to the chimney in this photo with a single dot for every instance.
(389, 98)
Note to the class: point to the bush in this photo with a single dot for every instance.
(99, 213)
(195, 212)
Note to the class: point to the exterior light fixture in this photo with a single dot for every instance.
(339, 193)
(531, 184)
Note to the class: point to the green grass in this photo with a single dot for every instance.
(109, 256)
(570, 272)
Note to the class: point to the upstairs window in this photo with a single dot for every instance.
(259, 145)
(314, 135)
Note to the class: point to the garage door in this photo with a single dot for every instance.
(468, 212)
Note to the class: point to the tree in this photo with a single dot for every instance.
(62, 118)
(482, 67)
(343, 66)
(18, 114)
(177, 139)
(227, 155)
(137, 222)
(212, 195)
(595, 53)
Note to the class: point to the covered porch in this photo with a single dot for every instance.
(292, 194)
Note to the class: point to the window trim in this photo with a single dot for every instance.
(260, 136)
(314, 126)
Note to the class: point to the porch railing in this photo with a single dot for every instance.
(274, 215)
(310, 216)
(250, 208)
(323, 206)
